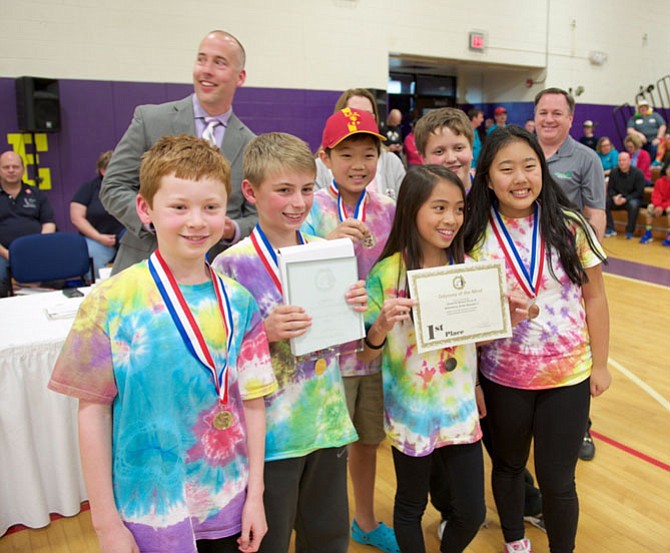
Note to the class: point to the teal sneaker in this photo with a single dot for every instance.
(382, 537)
(646, 237)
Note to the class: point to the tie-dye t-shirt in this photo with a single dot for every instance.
(553, 349)
(426, 406)
(323, 219)
(175, 477)
(309, 410)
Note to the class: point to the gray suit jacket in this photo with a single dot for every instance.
(121, 182)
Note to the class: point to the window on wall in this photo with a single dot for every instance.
(416, 94)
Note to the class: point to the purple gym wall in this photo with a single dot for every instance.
(95, 114)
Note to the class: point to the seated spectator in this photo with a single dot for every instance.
(660, 204)
(393, 132)
(663, 152)
(476, 117)
(648, 126)
(411, 153)
(24, 210)
(390, 170)
(639, 157)
(500, 115)
(625, 190)
(529, 125)
(589, 139)
(88, 215)
(608, 155)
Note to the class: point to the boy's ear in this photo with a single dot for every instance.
(325, 158)
(248, 192)
(143, 209)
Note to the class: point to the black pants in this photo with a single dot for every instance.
(464, 469)
(221, 545)
(555, 419)
(632, 207)
(440, 496)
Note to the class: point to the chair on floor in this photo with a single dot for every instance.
(49, 257)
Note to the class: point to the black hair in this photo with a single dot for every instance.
(558, 214)
(415, 190)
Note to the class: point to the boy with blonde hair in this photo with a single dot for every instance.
(170, 363)
(308, 426)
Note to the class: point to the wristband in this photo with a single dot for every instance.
(372, 346)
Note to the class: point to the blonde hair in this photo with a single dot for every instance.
(103, 160)
(634, 140)
(185, 157)
(273, 152)
(452, 118)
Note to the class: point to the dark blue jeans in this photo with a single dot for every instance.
(632, 206)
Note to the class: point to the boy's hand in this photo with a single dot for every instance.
(357, 296)
(254, 525)
(350, 228)
(286, 322)
(117, 540)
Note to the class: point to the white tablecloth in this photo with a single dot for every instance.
(40, 471)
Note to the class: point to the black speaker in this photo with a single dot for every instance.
(37, 104)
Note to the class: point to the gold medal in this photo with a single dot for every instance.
(533, 311)
(369, 241)
(320, 367)
(223, 420)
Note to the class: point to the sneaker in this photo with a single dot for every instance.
(518, 546)
(440, 529)
(610, 232)
(588, 449)
(382, 537)
(629, 235)
(666, 242)
(536, 520)
(646, 237)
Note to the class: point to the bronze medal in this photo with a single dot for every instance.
(223, 420)
(369, 241)
(533, 311)
(320, 367)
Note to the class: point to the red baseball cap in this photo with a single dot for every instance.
(500, 110)
(346, 123)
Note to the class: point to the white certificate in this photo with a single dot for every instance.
(459, 304)
(316, 276)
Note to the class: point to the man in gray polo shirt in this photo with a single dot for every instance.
(578, 171)
(575, 167)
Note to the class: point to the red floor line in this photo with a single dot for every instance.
(53, 516)
(634, 452)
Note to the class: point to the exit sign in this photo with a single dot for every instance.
(477, 41)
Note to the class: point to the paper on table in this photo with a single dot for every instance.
(316, 276)
(66, 309)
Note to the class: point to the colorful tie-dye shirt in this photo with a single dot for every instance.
(309, 410)
(553, 349)
(426, 406)
(323, 219)
(175, 477)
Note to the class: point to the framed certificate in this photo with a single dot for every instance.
(459, 304)
(316, 276)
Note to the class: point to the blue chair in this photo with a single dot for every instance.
(49, 257)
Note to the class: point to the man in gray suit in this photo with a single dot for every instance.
(217, 73)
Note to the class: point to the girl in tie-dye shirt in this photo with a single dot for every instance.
(430, 411)
(537, 382)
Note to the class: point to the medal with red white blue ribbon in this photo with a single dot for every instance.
(190, 332)
(369, 239)
(267, 253)
(528, 278)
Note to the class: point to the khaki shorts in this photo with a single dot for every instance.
(365, 401)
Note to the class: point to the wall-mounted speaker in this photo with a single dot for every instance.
(37, 104)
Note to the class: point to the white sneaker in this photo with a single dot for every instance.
(440, 529)
(518, 546)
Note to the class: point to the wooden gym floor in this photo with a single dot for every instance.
(624, 492)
